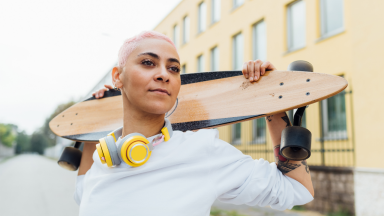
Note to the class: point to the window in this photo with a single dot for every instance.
(296, 25)
(259, 131)
(331, 17)
(215, 59)
(184, 69)
(334, 117)
(259, 38)
(176, 35)
(236, 133)
(216, 7)
(238, 51)
(237, 3)
(201, 24)
(200, 63)
(185, 29)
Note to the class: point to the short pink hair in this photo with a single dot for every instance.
(131, 43)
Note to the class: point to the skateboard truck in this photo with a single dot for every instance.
(296, 140)
(71, 157)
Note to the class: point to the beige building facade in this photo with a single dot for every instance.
(340, 37)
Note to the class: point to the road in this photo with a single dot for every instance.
(36, 186)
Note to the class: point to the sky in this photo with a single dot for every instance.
(52, 52)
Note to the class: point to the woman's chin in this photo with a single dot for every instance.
(157, 108)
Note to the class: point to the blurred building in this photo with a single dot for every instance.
(338, 37)
(106, 80)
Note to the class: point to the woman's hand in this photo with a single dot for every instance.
(100, 93)
(254, 69)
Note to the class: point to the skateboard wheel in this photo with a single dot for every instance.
(295, 143)
(70, 158)
(301, 65)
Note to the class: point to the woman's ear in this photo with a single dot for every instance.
(116, 77)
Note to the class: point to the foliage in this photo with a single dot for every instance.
(38, 143)
(339, 213)
(298, 208)
(22, 142)
(7, 134)
(46, 131)
(219, 212)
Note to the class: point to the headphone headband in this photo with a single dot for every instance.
(166, 130)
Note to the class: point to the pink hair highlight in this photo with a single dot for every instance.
(131, 43)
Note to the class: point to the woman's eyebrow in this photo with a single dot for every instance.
(173, 60)
(154, 55)
(151, 54)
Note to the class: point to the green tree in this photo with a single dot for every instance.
(7, 134)
(23, 143)
(38, 142)
(46, 131)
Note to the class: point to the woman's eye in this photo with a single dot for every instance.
(147, 62)
(175, 69)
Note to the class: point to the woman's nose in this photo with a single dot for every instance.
(162, 75)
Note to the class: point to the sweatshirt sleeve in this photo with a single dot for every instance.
(79, 189)
(241, 180)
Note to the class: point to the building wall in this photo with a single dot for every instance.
(331, 55)
(334, 190)
(356, 53)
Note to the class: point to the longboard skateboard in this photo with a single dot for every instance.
(205, 100)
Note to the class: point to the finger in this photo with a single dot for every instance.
(258, 63)
(108, 86)
(245, 71)
(267, 66)
(101, 92)
(251, 69)
(264, 67)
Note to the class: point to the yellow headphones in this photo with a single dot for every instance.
(134, 149)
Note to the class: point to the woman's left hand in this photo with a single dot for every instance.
(254, 69)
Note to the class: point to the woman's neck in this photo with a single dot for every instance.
(137, 121)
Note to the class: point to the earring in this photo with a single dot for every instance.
(117, 89)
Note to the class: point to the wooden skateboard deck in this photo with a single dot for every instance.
(205, 100)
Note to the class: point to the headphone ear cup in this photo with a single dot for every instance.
(133, 149)
(112, 150)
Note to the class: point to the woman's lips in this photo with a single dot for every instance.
(160, 91)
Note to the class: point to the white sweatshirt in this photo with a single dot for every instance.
(184, 176)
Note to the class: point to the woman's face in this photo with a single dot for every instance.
(151, 76)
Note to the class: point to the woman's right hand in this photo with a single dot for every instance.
(100, 93)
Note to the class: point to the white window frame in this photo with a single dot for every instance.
(215, 58)
(237, 3)
(234, 140)
(215, 11)
(186, 29)
(200, 63)
(324, 33)
(184, 69)
(290, 46)
(255, 40)
(237, 58)
(176, 35)
(202, 18)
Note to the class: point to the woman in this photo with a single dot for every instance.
(186, 174)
